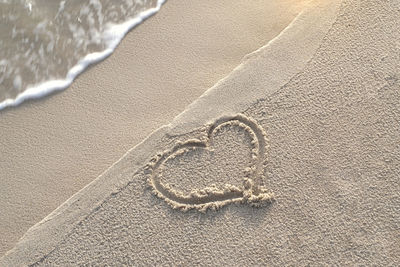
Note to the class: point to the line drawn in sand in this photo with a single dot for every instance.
(250, 192)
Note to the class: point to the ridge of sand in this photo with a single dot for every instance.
(51, 148)
(285, 56)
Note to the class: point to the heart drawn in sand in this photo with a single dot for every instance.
(230, 157)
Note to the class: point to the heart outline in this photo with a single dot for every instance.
(212, 197)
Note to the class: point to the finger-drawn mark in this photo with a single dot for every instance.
(250, 192)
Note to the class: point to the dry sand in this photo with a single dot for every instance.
(326, 92)
(52, 148)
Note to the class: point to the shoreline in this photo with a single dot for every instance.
(48, 87)
(55, 146)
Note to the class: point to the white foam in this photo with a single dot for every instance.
(113, 36)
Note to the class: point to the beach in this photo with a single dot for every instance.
(53, 147)
(290, 158)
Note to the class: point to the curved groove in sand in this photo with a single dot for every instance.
(212, 197)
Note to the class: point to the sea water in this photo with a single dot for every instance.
(45, 44)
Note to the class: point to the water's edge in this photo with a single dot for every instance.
(114, 36)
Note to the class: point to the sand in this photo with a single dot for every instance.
(326, 93)
(53, 147)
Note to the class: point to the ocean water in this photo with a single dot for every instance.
(45, 44)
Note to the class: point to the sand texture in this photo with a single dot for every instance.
(330, 122)
(52, 148)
